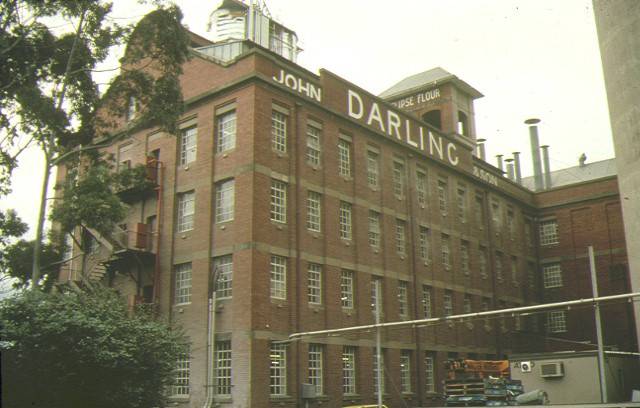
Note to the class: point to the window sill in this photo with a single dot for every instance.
(179, 398)
(281, 398)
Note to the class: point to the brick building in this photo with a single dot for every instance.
(300, 200)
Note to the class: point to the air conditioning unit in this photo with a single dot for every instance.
(551, 370)
(525, 366)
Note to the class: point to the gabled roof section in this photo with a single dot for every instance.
(428, 79)
(578, 174)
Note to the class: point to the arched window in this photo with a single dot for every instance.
(433, 118)
(463, 124)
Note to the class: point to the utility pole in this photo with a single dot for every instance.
(594, 287)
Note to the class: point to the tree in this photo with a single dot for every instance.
(48, 92)
(84, 349)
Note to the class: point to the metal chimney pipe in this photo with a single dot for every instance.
(516, 163)
(481, 149)
(535, 152)
(510, 170)
(500, 165)
(547, 167)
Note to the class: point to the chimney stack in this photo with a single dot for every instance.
(481, 150)
(500, 165)
(516, 164)
(547, 169)
(510, 170)
(535, 152)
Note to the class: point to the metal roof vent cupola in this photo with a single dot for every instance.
(235, 22)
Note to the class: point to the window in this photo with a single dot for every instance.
(462, 205)
(278, 201)
(514, 269)
(181, 385)
(344, 158)
(495, 215)
(448, 303)
(279, 132)
(426, 302)
(421, 187)
(186, 209)
(278, 273)
(446, 252)
(376, 295)
(373, 169)
(552, 275)
(348, 370)
(443, 196)
(401, 238)
(482, 262)
(557, 322)
(226, 132)
(224, 200)
(345, 220)
(479, 210)
(548, 232)
(183, 283)
(188, 141)
(132, 109)
(464, 257)
(346, 289)
(313, 146)
(278, 369)
(314, 283)
(378, 371)
(466, 306)
(403, 299)
(429, 373)
(223, 367)
(224, 267)
(374, 229)
(315, 367)
(405, 371)
(314, 211)
(398, 179)
(499, 275)
(425, 244)
(511, 225)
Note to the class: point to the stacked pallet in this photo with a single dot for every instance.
(475, 392)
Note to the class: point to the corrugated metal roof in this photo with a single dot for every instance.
(577, 174)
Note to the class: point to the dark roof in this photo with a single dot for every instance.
(426, 79)
(577, 174)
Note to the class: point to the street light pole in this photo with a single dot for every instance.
(594, 288)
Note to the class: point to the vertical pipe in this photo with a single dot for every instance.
(500, 164)
(510, 170)
(481, 149)
(516, 163)
(378, 288)
(547, 167)
(535, 152)
(594, 288)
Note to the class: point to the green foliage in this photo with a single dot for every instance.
(16, 260)
(49, 95)
(134, 180)
(11, 226)
(84, 349)
(90, 201)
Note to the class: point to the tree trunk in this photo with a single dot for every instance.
(35, 270)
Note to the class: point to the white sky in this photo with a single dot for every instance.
(529, 58)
